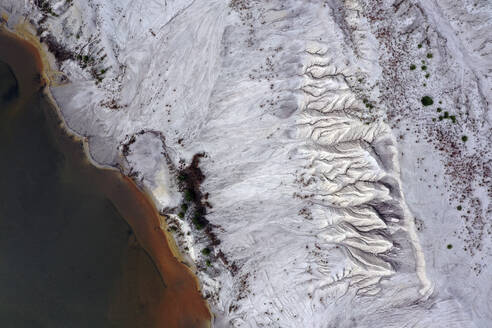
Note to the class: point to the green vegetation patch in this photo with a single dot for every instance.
(427, 101)
(206, 251)
(449, 246)
(412, 67)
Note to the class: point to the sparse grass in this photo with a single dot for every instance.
(427, 101)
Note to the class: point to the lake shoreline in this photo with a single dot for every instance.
(24, 32)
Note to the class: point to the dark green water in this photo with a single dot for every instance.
(67, 256)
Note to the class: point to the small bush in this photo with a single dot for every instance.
(449, 246)
(453, 118)
(440, 117)
(188, 195)
(439, 109)
(197, 223)
(429, 55)
(427, 75)
(464, 138)
(206, 251)
(419, 46)
(412, 67)
(181, 215)
(208, 263)
(427, 101)
(459, 208)
(423, 67)
(446, 114)
(184, 207)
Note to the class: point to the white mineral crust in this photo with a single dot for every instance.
(333, 191)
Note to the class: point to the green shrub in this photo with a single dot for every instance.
(181, 214)
(412, 67)
(197, 223)
(423, 67)
(419, 46)
(427, 101)
(453, 118)
(429, 55)
(446, 114)
(464, 138)
(439, 109)
(206, 251)
(427, 75)
(184, 207)
(188, 195)
(208, 263)
(459, 208)
(449, 246)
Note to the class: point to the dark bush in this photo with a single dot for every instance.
(427, 101)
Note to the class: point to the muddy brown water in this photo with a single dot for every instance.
(79, 246)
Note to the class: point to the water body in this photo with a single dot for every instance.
(79, 246)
